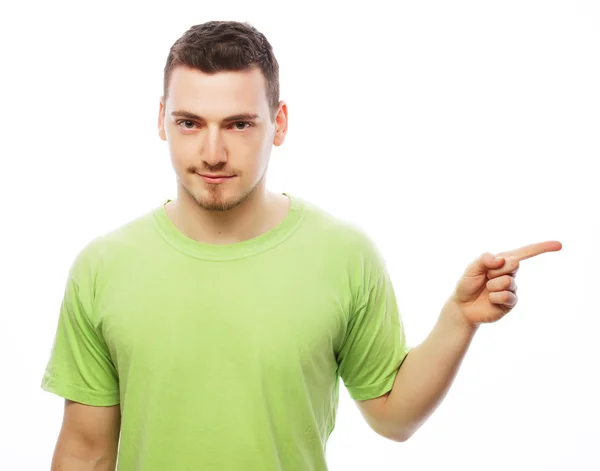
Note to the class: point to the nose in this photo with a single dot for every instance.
(213, 150)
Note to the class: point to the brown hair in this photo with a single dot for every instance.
(218, 46)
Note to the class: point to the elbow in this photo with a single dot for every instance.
(399, 436)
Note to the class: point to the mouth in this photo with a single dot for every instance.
(215, 179)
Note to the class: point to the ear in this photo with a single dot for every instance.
(161, 120)
(281, 124)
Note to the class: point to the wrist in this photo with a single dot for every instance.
(453, 316)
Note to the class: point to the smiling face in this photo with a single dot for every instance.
(220, 125)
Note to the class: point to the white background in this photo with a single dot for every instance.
(445, 129)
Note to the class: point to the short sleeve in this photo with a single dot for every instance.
(80, 367)
(375, 344)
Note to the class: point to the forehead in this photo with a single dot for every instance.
(217, 94)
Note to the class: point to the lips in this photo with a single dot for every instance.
(216, 178)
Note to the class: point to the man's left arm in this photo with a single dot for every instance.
(485, 293)
(422, 381)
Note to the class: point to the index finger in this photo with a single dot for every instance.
(532, 250)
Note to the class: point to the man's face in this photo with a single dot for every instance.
(219, 125)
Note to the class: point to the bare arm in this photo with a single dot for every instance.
(485, 293)
(88, 439)
(423, 380)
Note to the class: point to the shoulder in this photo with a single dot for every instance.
(344, 238)
(111, 245)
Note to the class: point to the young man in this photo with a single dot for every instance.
(211, 333)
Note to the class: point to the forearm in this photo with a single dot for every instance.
(69, 459)
(427, 373)
(70, 463)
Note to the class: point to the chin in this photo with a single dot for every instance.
(219, 202)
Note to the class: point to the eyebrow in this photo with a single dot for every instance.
(235, 117)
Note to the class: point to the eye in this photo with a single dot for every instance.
(241, 125)
(185, 123)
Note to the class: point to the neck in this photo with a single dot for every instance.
(257, 214)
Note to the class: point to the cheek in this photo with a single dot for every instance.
(265, 148)
(261, 158)
(249, 152)
(181, 150)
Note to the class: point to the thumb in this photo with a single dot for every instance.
(485, 262)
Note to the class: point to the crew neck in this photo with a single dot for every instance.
(227, 252)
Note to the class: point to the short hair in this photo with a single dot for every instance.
(218, 46)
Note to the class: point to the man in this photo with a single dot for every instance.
(211, 333)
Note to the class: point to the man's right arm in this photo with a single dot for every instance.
(88, 439)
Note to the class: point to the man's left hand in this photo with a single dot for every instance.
(487, 290)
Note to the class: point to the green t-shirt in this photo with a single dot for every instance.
(227, 357)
